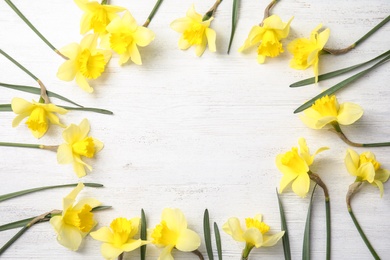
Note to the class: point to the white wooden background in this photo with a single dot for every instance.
(196, 133)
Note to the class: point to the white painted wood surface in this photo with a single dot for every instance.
(196, 133)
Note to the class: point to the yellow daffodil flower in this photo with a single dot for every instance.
(77, 144)
(366, 168)
(327, 110)
(172, 232)
(267, 37)
(124, 37)
(195, 32)
(294, 166)
(40, 115)
(118, 238)
(85, 62)
(306, 51)
(96, 16)
(255, 234)
(76, 219)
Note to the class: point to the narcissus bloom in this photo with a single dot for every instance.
(294, 166)
(195, 32)
(118, 238)
(85, 62)
(172, 232)
(76, 219)
(327, 110)
(96, 16)
(267, 37)
(40, 115)
(366, 168)
(77, 144)
(306, 51)
(125, 35)
(254, 235)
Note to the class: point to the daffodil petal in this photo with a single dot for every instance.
(188, 241)
(233, 228)
(87, 201)
(71, 134)
(19, 105)
(379, 184)
(183, 44)
(19, 118)
(69, 237)
(67, 71)
(174, 219)
(110, 252)
(132, 245)
(84, 127)
(103, 234)
(199, 49)
(71, 50)
(64, 154)
(135, 55)
(193, 14)
(79, 169)
(349, 113)
(83, 83)
(273, 239)
(301, 185)
(211, 38)
(143, 36)
(98, 145)
(367, 172)
(181, 24)
(253, 236)
(166, 253)
(382, 175)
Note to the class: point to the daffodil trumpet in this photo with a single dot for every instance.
(362, 39)
(152, 13)
(20, 14)
(337, 130)
(42, 87)
(211, 12)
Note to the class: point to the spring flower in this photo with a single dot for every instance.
(366, 168)
(85, 62)
(306, 51)
(125, 35)
(118, 238)
(267, 37)
(172, 232)
(327, 110)
(195, 32)
(255, 234)
(96, 16)
(77, 144)
(76, 220)
(40, 115)
(294, 166)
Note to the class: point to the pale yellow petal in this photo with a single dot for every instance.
(135, 222)
(71, 197)
(366, 171)
(379, 184)
(89, 41)
(285, 31)
(233, 228)
(271, 240)
(129, 21)
(84, 127)
(69, 237)
(323, 38)
(382, 175)
(254, 38)
(134, 54)
(193, 14)
(181, 24)
(199, 49)
(287, 178)
(260, 59)
(39, 134)
(124, 57)
(64, 154)
(351, 161)
(301, 185)
(79, 169)
(253, 236)
(53, 119)
(71, 134)
(19, 105)
(166, 253)
(85, 23)
(183, 44)
(143, 36)
(71, 50)
(325, 121)
(174, 219)
(349, 113)
(56, 223)
(188, 241)
(67, 71)
(87, 201)
(98, 145)
(133, 244)
(19, 119)
(103, 234)
(83, 83)
(211, 38)
(110, 252)
(273, 22)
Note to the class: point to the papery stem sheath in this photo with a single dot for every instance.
(152, 13)
(19, 13)
(267, 10)
(198, 253)
(211, 12)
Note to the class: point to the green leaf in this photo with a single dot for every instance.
(207, 234)
(336, 72)
(234, 22)
(34, 90)
(218, 241)
(16, 224)
(24, 192)
(143, 234)
(340, 85)
(7, 108)
(13, 239)
(306, 236)
(285, 238)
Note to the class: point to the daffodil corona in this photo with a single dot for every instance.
(306, 51)
(40, 115)
(256, 233)
(85, 62)
(267, 36)
(195, 32)
(294, 166)
(172, 232)
(124, 37)
(78, 144)
(76, 220)
(119, 237)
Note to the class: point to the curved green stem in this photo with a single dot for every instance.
(211, 12)
(245, 253)
(152, 13)
(37, 146)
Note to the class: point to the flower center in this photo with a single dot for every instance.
(261, 226)
(162, 235)
(194, 35)
(119, 42)
(91, 66)
(270, 45)
(81, 219)
(99, 20)
(327, 106)
(364, 159)
(37, 120)
(85, 147)
(122, 228)
(296, 163)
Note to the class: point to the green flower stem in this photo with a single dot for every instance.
(13, 239)
(337, 130)
(19, 13)
(24, 192)
(8, 108)
(37, 146)
(198, 253)
(320, 183)
(352, 189)
(43, 88)
(152, 13)
(211, 12)
(245, 253)
(236, 4)
(283, 222)
(345, 50)
(268, 9)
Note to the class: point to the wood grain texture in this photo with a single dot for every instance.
(196, 133)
